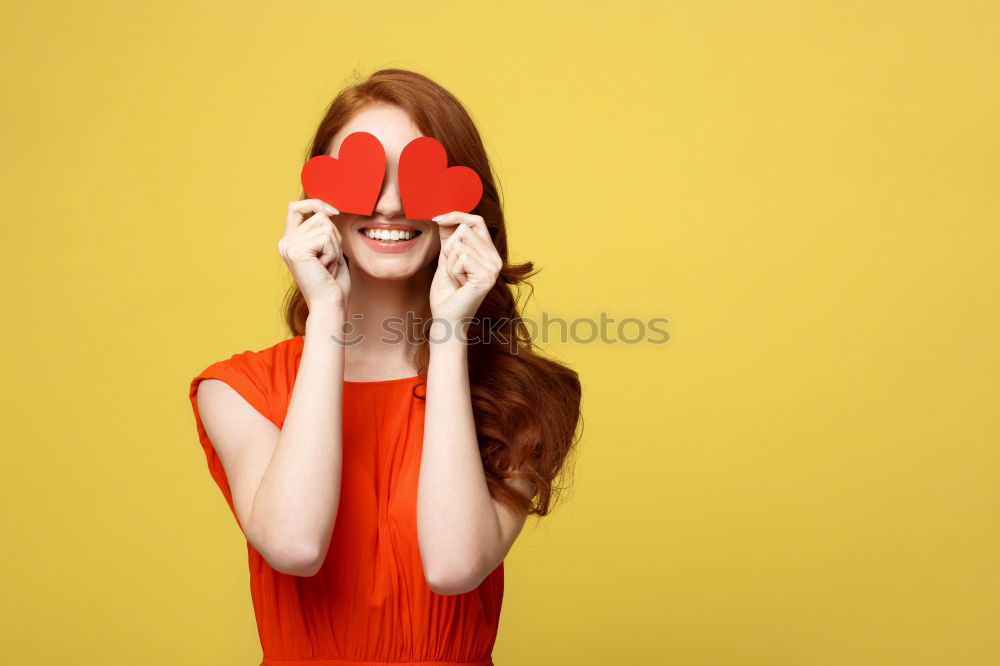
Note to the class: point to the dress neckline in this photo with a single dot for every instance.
(384, 381)
(301, 340)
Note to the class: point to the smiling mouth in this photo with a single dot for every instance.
(384, 235)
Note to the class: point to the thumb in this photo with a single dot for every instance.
(343, 270)
(445, 231)
(442, 264)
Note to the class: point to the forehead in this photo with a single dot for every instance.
(390, 124)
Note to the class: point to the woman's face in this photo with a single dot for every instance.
(386, 259)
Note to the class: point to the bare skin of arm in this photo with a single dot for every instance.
(286, 482)
(463, 532)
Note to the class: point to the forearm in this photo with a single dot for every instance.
(296, 503)
(455, 515)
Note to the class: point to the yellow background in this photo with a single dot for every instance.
(805, 474)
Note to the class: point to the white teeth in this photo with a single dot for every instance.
(387, 235)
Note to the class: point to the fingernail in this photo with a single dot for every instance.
(437, 218)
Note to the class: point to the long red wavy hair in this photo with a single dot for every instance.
(526, 407)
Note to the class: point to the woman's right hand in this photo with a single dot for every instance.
(311, 250)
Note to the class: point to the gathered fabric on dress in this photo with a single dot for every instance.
(369, 604)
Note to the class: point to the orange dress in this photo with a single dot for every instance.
(369, 604)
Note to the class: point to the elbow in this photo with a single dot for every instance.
(303, 561)
(285, 554)
(447, 580)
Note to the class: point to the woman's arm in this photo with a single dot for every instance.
(299, 493)
(462, 531)
(285, 483)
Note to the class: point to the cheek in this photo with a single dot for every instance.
(348, 238)
(434, 245)
(343, 224)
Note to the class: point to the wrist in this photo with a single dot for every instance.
(326, 311)
(448, 351)
(445, 331)
(329, 324)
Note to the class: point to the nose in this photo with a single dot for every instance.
(389, 203)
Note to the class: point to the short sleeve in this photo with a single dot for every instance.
(246, 374)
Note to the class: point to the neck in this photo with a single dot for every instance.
(378, 310)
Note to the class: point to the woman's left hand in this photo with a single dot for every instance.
(467, 268)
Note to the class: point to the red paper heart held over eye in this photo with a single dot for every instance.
(429, 187)
(352, 181)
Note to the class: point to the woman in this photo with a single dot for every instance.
(381, 478)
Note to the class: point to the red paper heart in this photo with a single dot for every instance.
(352, 181)
(429, 187)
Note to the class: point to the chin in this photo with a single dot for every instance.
(390, 269)
(392, 265)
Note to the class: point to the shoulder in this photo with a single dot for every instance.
(268, 360)
(263, 376)
(275, 360)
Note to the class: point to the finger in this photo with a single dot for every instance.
(338, 237)
(317, 223)
(483, 249)
(335, 239)
(448, 219)
(442, 267)
(469, 237)
(317, 236)
(478, 225)
(445, 232)
(448, 224)
(328, 253)
(475, 222)
(455, 269)
(343, 274)
(455, 237)
(475, 267)
(297, 211)
(454, 246)
(317, 229)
